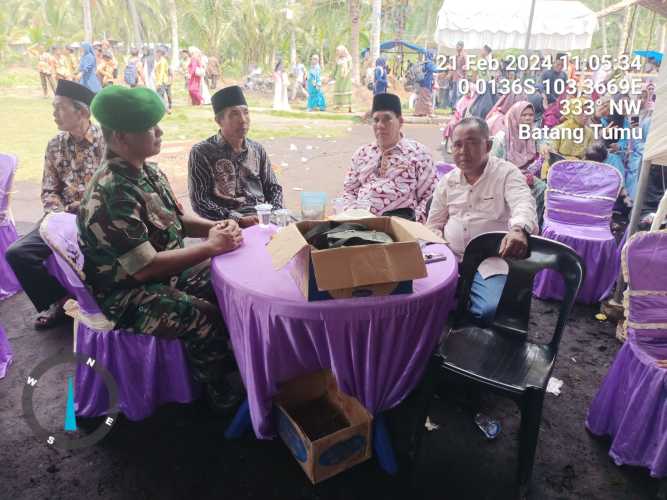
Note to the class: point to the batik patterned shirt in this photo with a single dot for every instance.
(226, 185)
(126, 217)
(401, 177)
(68, 167)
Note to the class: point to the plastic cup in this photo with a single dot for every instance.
(313, 205)
(338, 205)
(264, 214)
(282, 217)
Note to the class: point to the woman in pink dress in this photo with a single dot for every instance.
(195, 70)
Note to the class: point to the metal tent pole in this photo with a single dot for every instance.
(644, 175)
(530, 25)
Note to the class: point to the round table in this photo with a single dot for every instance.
(376, 347)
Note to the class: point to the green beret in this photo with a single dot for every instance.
(127, 110)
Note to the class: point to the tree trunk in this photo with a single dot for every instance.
(623, 42)
(355, 14)
(292, 48)
(136, 23)
(603, 22)
(650, 31)
(292, 39)
(633, 29)
(87, 22)
(377, 28)
(173, 19)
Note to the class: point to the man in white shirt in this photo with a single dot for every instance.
(483, 194)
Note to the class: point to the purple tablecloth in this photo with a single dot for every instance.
(376, 347)
(5, 353)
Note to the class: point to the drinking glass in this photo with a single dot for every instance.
(282, 217)
(264, 214)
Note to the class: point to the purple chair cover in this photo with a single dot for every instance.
(148, 371)
(9, 285)
(6, 354)
(442, 168)
(376, 347)
(578, 205)
(631, 405)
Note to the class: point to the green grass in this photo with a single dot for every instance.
(27, 124)
(27, 121)
(16, 76)
(314, 115)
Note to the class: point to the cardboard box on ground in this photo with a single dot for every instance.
(326, 430)
(356, 271)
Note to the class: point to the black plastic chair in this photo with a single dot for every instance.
(500, 358)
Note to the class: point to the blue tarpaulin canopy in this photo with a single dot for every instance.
(650, 54)
(387, 46)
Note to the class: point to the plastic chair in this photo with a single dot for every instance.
(149, 371)
(579, 201)
(631, 403)
(9, 285)
(500, 358)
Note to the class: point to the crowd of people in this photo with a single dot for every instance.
(308, 83)
(96, 65)
(572, 127)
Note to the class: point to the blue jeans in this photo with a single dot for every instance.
(453, 94)
(485, 296)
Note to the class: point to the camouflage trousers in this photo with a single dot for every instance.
(185, 308)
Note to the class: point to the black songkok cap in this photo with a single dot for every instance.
(229, 96)
(75, 91)
(387, 102)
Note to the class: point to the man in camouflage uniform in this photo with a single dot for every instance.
(131, 231)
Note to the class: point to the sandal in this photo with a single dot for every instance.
(52, 317)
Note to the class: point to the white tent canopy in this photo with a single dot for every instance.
(655, 150)
(557, 24)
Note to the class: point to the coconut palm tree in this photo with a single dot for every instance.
(87, 21)
(173, 24)
(136, 22)
(355, 15)
(377, 28)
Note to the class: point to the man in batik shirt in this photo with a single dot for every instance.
(228, 174)
(71, 158)
(395, 175)
(131, 232)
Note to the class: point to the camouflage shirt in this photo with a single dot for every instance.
(68, 167)
(126, 218)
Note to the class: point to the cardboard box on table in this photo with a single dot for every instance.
(355, 271)
(332, 453)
